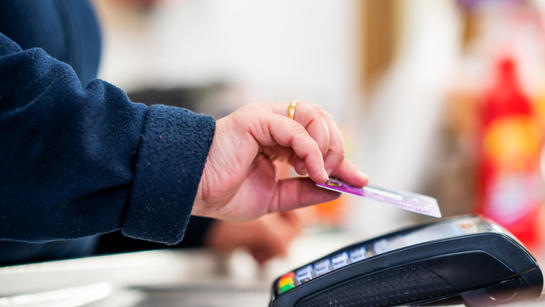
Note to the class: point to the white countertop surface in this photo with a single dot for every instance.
(159, 278)
(189, 277)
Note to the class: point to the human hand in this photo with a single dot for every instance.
(264, 238)
(239, 178)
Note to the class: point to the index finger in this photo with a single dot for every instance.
(275, 129)
(312, 118)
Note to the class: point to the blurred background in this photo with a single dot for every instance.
(445, 98)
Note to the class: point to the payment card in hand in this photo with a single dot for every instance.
(417, 203)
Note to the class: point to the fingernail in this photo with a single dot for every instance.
(362, 175)
(325, 176)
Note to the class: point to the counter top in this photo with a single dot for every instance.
(190, 277)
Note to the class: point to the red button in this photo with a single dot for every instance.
(290, 274)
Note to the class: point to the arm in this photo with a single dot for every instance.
(80, 161)
(195, 234)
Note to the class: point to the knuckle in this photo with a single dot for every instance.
(240, 117)
(304, 102)
(316, 109)
(316, 147)
(338, 154)
(310, 107)
(299, 129)
(321, 111)
(252, 112)
(252, 108)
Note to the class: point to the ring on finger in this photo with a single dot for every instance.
(291, 109)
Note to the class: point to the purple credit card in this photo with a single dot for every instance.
(413, 202)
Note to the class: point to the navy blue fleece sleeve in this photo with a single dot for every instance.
(80, 161)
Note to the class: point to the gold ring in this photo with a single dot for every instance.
(291, 109)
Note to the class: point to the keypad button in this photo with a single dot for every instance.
(290, 274)
(381, 247)
(303, 275)
(357, 254)
(321, 267)
(339, 260)
(286, 288)
(284, 281)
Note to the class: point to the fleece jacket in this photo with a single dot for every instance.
(77, 157)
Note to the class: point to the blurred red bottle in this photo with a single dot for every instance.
(510, 184)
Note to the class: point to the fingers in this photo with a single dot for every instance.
(315, 139)
(322, 128)
(298, 192)
(349, 173)
(293, 220)
(268, 247)
(312, 118)
(275, 129)
(272, 235)
(300, 167)
(335, 154)
(264, 238)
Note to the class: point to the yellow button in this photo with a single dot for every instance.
(284, 281)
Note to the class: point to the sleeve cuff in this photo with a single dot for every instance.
(168, 166)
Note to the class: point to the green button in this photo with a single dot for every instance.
(286, 288)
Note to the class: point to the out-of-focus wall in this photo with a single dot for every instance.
(400, 136)
(279, 49)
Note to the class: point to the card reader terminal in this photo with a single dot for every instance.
(465, 259)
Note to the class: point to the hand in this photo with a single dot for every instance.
(239, 179)
(264, 238)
